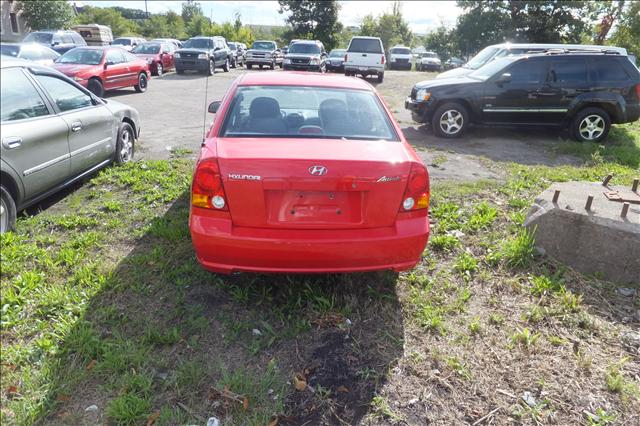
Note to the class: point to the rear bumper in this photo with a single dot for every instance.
(192, 64)
(223, 248)
(259, 61)
(632, 113)
(364, 70)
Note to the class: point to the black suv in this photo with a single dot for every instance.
(203, 54)
(584, 91)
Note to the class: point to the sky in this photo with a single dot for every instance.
(422, 16)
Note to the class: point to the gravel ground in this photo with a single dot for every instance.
(172, 114)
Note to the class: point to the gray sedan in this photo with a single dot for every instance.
(54, 132)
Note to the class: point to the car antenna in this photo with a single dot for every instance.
(204, 115)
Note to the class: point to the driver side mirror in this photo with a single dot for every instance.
(213, 107)
(504, 78)
(55, 43)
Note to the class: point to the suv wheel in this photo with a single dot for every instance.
(591, 125)
(225, 67)
(7, 211)
(273, 65)
(212, 68)
(450, 120)
(380, 77)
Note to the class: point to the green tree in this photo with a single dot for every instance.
(175, 26)
(199, 25)
(627, 33)
(191, 9)
(46, 14)
(391, 27)
(443, 41)
(237, 24)
(110, 17)
(313, 19)
(155, 27)
(543, 21)
(605, 14)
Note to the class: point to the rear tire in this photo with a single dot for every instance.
(96, 87)
(450, 120)
(249, 66)
(273, 65)
(380, 77)
(141, 87)
(7, 211)
(225, 67)
(590, 125)
(212, 68)
(125, 144)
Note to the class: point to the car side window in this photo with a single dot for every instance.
(568, 70)
(528, 72)
(607, 69)
(114, 57)
(129, 57)
(66, 39)
(66, 96)
(19, 99)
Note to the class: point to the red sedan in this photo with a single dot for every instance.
(307, 173)
(159, 56)
(104, 68)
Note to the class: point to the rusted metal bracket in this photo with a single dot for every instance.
(623, 196)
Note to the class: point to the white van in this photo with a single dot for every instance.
(400, 57)
(492, 52)
(365, 56)
(94, 34)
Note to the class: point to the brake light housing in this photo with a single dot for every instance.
(382, 60)
(416, 195)
(638, 91)
(206, 189)
(346, 57)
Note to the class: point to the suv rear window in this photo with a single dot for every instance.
(365, 45)
(607, 69)
(400, 51)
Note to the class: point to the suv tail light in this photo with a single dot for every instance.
(346, 57)
(416, 196)
(382, 60)
(206, 190)
(638, 91)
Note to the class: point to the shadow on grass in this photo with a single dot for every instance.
(162, 334)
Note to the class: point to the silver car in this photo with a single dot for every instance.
(54, 132)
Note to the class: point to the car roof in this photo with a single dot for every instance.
(12, 62)
(292, 78)
(367, 37)
(558, 46)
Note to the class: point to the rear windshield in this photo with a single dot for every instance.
(304, 48)
(44, 38)
(400, 51)
(232, 46)
(146, 49)
(337, 53)
(82, 56)
(311, 112)
(122, 41)
(9, 50)
(263, 45)
(198, 43)
(429, 55)
(365, 45)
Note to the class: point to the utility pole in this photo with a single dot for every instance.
(146, 11)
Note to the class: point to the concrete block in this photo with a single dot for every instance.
(596, 241)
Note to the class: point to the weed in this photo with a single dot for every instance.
(153, 336)
(483, 215)
(496, 318)
(466, 264)
(571, 302)
(600, 418)
(444, 242)
(129, 409)
(518, 251)
(475, 327)
(543, 285)
(525, 338)
(381, 409)
(459, 367)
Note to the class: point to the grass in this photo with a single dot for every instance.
(103, 303)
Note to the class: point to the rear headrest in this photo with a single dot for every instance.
(264, 107)
(332, 109)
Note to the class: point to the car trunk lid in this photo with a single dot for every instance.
(312, 183)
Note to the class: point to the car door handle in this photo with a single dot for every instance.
(11, 142)
(76, 127)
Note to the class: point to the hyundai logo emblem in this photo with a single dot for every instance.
(318, 170)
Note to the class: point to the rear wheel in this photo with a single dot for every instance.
(212, 68)
(450, 120)
(590, 125)
(7, 211)
(225, 67)
(273, 65)
(249, 66)
(141, 87)
(233, 63)
(124, 145)
(380, 77)
(96, 87)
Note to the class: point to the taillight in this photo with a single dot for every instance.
(382, 60)
(206, 190)
(416, 196)
(345, 57)
(638, 91)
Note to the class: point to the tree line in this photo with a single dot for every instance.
(482, 23)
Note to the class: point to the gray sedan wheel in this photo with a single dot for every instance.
(124, 146)
(7, 211)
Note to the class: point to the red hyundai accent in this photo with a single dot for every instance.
(104, 68)
(305, 173)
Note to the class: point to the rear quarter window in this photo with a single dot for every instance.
(365, 45)
(608, 69)
(569, 70)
